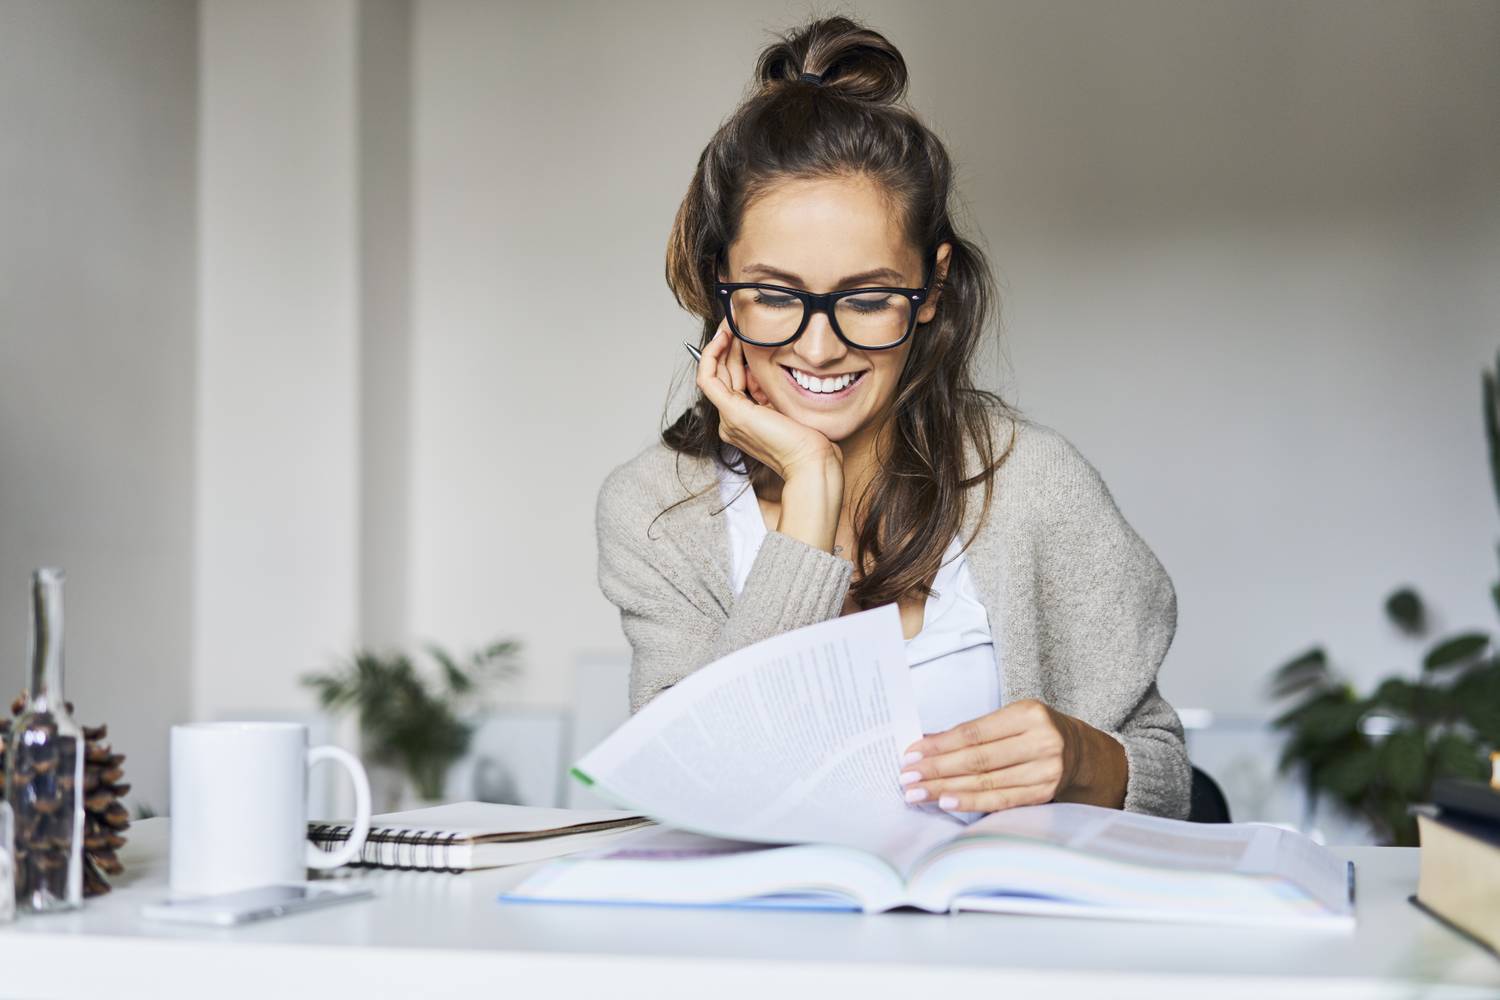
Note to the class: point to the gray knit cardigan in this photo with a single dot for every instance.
(1083, 610)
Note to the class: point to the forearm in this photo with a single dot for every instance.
(1102, 771)
(811, 499)
(674, 625)
(790, 584)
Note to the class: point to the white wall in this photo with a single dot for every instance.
(1251, 251)
(96, 355)
(278, 368)
(1245, 251)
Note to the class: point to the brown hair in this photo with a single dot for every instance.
(854, 124)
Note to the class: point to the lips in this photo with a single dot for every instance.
(825, 398)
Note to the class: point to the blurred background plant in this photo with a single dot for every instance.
(1374, 755)
(412, 721)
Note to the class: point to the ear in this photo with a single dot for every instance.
(940, 271)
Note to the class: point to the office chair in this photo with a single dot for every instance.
(1206, 802)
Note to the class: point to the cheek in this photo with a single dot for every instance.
(887, 373)
(762, 378)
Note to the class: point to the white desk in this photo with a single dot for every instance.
(437, 935)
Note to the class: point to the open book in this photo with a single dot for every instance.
(794, 741)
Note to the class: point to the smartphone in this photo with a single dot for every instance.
(252, 904)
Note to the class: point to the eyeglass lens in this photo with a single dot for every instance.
(872, 319)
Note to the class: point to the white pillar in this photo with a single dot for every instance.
(278, 396)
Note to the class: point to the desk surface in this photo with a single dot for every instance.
(434, 935)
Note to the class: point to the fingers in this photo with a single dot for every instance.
(983, 757)
(1010, 720)
(994, 801)
(737, 366)
(1016, 755)
(712, 378)
(724, 343)
(1042, 773)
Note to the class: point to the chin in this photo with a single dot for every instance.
(836, 427)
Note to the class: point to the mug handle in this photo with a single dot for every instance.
(316, 856)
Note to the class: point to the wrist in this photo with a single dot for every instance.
(811, 499)
(1100, 770)
(824, 467)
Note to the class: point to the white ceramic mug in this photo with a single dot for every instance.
(239, 806)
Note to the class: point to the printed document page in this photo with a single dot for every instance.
(793, 739)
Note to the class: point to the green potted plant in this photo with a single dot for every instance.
(412, 722)
(1373, 755)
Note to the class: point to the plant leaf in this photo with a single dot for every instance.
(1350, 773)
(1397, 694)
(1406, 610)
(1475, 696)
(1327, 718)
(500, 649)
(408, 717)
(1306, 672)
(1389, 814)
(458, 681)
(1456, 650)
(1455, 755)
(1403, 761)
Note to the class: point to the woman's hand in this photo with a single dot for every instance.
(747, 421)
(1022, 754)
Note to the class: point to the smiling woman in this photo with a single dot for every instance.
(858, 465)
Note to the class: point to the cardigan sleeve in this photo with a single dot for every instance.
(672, 621)
(1112, 615)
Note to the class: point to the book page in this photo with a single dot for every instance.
(792, 739)
(663, 865)
(1244, 848)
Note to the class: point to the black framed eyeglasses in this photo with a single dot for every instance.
(867, 319)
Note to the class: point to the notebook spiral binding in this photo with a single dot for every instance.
(330, 836)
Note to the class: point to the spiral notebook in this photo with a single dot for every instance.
(463, 836)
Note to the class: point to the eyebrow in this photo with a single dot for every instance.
(864, 277)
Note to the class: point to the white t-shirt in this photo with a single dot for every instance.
(954, 664)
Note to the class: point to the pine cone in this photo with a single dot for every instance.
(104, 815)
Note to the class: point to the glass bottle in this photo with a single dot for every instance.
(7, 862)
(44, 768)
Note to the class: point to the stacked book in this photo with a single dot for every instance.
(1459, 880)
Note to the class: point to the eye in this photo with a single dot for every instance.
(868, 303)
(773, 301)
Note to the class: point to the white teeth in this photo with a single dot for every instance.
(814, 384)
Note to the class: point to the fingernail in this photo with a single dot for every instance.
(910, 777)
(947, 802)
(911, 757)
(916, 794)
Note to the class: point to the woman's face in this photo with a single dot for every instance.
(817, 235)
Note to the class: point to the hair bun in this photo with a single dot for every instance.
(853, 60)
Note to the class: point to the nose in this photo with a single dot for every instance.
(819, 346)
